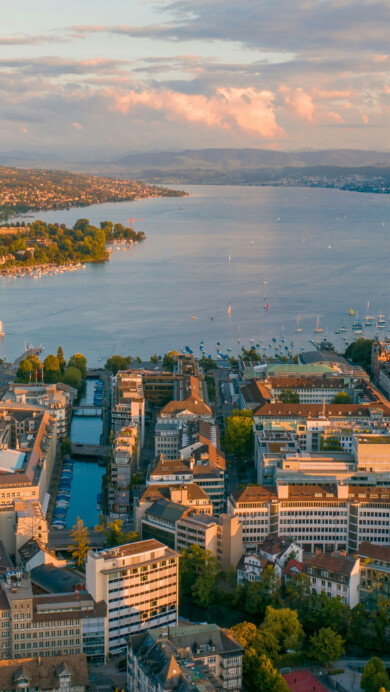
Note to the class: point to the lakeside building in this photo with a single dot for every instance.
(123, 463)
(55, 398)
(199, 468)
(327, 518)
(204, 658)
(128, 402)
(138, 582)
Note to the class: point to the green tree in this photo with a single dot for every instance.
(342, 398)
(374, 676)
(297, 590)
(116, 363)
(80, 362)
(245, 632)
(284, 624)
(260, 674)
(66, 447)
(287, 396)
(207, 364)
(239, 438)
(154, 359)
(72, 377)
(80, 544)
(359, 352)
(51, 367)
(25, 370)
(61, 359)
(168, 362)
(198, 572)
(115, 534)
(326, 646)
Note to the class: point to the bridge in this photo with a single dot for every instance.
(88, 410)
(89, 451)
(60, 539)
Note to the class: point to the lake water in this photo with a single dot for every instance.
(327, 253)
(87, 476)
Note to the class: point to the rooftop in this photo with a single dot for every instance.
(11, 460)
(374, 551)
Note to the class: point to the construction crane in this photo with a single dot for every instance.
(131, 221)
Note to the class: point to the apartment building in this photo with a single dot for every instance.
(49, 624)
(222, 536)
(336, 575)
(190, 495)
(327, 518)
(138, 582)
(124, 462)
(198, 469)
(57, 674)
(128, 402)
(375, 574)
(359, 414)
(55, 398)
(204, 658)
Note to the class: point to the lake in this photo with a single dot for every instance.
(306, 252)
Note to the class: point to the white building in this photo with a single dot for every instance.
(337, 574)
(139, 584)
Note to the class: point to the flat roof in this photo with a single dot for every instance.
(373, 439)
(11, 460)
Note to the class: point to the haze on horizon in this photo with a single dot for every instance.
(97, 79)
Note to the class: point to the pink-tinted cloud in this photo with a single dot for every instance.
(298, 102)
(248, 110)
(77, 126)
(365, 118)
(25, 130)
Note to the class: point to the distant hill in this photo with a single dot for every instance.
(252, 158)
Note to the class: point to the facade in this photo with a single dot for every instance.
(128, 402)
(327, 518)
(275, 551)
(222, 536)
(124, 462)
(336, 575)
(138, 582)
(57, 674)
(375, 574)
(50, 624)
(190, 495)
(55, 398)
(203, 658)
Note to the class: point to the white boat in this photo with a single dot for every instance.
(317, 329)
(2, 332)
(298, 329)
(381, 322)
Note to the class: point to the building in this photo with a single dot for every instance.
(375, 574)
(55, 398)
(327, 518)
(128, 402)
(190, 495)
(138, 582)
(222, 536)
(124, 463)
(199, 469)
(204, 658)
(275, 551)
(50, 624)
(335, 575)
(57, 674)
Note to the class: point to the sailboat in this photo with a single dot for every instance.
(229, 257)
(2, 332)
(229, 310)
(317, 329)
(368, 320)
(381, 322)
(298, 329)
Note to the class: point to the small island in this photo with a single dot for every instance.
(51, 247)
(23, 190)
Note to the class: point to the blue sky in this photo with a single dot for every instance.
(99, 79)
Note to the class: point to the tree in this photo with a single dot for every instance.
(342, 398)
(359, 352)
(260, 674)
(239, 438)
(51, 367)
(80, 362)
(80, 545)
(374, 676)
(115, 534)
(66, 447)
(287, 396)
(207, 364)
(326, 646)
(24, 371)
(61, 359)
(154, 359)
(116, 363)
(244, 633)
(168, 362)
(198, 572)
(284, 624)
(72, 377)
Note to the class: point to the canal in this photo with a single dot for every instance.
(87, 476)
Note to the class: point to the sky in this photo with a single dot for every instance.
(97, 79)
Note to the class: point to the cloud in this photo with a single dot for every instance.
(299, 102)
(78, 126)
(25, 130)
(26, 40)
(248, 110)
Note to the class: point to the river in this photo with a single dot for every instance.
(307, 252)
(87, 476)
